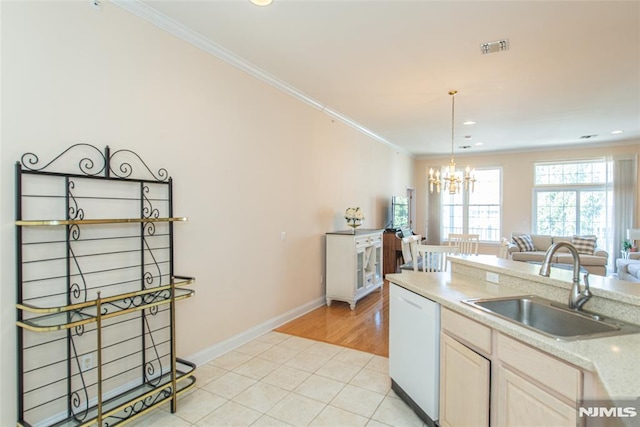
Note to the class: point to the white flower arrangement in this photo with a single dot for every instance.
(354, 216)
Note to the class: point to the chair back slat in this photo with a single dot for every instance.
(467, 244)
(432, 258)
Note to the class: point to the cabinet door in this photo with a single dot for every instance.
(464, 385)
(378, 262)
(521, 403)
(360, 268)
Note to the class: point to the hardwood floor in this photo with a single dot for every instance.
(366, 328)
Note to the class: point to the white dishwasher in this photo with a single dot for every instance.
(414, 351)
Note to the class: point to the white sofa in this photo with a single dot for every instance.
(629, 269)
(594, 264)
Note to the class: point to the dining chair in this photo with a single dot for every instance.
(467, 244)
(432, 258)
(503, 252)
(407, 246)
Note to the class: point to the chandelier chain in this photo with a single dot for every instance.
(452, 179)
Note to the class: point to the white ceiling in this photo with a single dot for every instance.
(573, 67)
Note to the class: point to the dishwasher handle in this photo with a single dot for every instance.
(410, 302)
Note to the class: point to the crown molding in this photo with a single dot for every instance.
(156, 18)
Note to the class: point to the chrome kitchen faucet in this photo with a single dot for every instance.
(577, 298)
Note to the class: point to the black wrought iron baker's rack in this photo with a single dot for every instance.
(96, 289)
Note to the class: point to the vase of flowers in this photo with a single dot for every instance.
(354, 217)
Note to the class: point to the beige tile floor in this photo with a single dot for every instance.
(282, 380)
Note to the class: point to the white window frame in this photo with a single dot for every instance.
(603, 239)
(445, 197)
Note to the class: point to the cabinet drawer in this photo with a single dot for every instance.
(377, 238)
(475, 334)
(363, 242)
(554, 374)
(369, 240)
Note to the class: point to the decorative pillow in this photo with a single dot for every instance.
(524, 242)
(584, 244)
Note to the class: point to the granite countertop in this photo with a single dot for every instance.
(613, 360)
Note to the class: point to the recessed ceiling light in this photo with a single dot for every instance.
(262, 2)
(617, 131)
(469, 123)
(479, 143)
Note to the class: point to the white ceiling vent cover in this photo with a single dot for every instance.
(496, 46)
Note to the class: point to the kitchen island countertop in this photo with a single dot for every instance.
(614, 360)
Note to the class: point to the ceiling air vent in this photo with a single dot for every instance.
(496, 46)
(588, 136)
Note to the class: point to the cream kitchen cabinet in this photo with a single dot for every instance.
(487, 378)
(534, 388)
(354, 265)
(465, 374)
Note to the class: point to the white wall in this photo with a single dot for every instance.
(248, 161)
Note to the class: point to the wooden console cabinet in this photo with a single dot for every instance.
(392, 252)
(354, 265)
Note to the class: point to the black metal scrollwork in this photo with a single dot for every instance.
(75, 213)
(124, 169)
(150, 376)
(96, 162)
(76, 291)
(135, 301)
(79, 398)
(87, 165)
(139, 406)
(148, 211)
(149, 229)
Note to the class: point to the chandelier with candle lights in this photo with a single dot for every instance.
(452, 179)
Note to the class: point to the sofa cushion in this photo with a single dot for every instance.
(567, 239)
(634, 269)
(584, 259)
(524, 242)
(537, 256)
(541, 241)
(409, 265)
(584, 244)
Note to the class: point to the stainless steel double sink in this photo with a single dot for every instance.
(552, 318)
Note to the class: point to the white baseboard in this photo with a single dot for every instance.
(208, 354)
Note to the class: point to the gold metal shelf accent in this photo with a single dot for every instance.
(112, 407)
(87, 314)
(177, 281)
(30, 223)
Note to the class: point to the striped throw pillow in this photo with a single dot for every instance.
(584, 244)
(524, 242)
